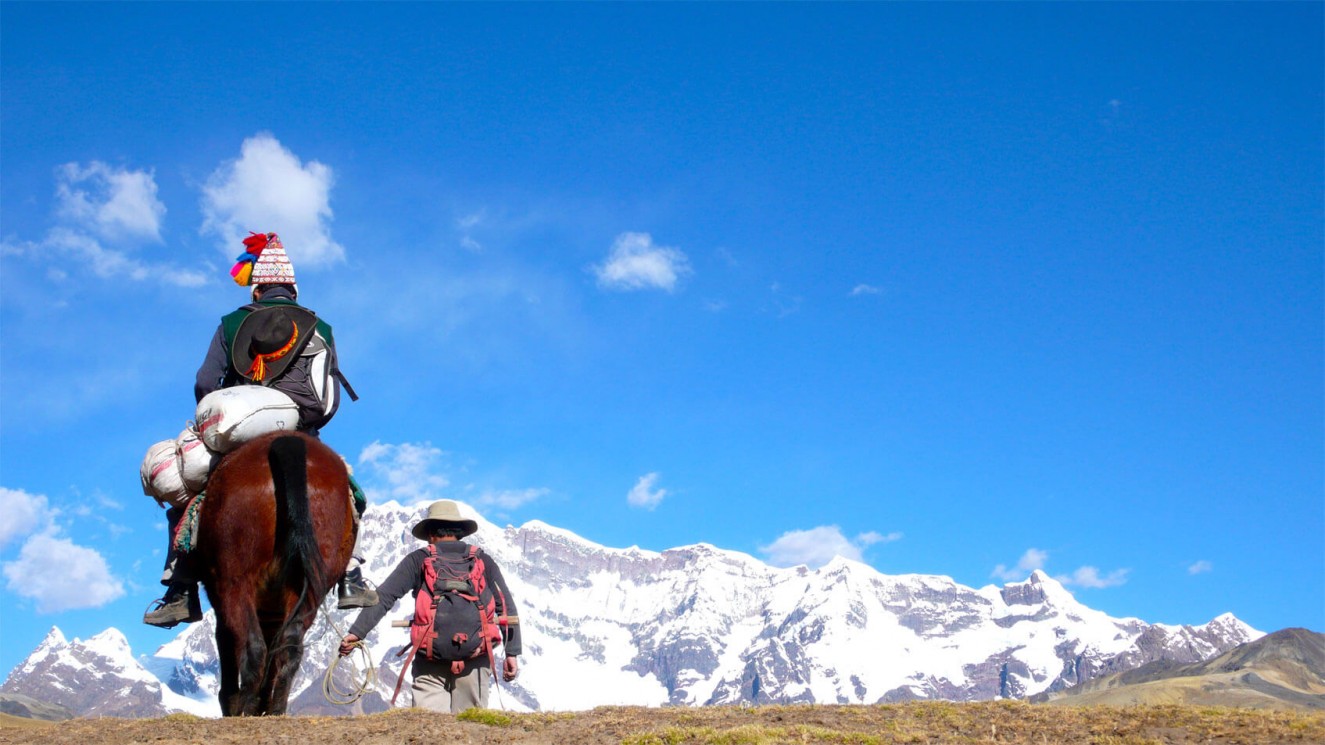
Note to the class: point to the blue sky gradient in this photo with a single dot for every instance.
(961, 289)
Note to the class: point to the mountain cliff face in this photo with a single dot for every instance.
(698, 625)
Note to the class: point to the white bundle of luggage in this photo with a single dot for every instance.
(175, 471)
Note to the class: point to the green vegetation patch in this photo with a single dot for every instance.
(490, 717)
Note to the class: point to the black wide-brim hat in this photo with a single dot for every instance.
(268, 331)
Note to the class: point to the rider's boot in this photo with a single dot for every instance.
(353, 591)
(181, 604)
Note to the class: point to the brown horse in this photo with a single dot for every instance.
(275, 534)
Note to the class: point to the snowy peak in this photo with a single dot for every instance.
(52, 643)
(691, 625)
(97, 677)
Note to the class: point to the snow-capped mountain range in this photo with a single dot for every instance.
(691, 626)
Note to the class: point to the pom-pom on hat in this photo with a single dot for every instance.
(263, 262)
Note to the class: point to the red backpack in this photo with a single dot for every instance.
(455, 612)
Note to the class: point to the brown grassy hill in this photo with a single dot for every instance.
(1007, 722)
(18, 705)
(1285, 669)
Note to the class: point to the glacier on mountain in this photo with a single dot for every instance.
(693, 625)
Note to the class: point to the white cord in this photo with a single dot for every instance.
(364, 679)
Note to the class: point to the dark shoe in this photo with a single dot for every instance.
(354, 592)
(180, 605)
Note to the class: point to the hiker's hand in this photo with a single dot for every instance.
(510, 668)
(347, 644)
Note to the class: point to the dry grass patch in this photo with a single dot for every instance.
(986, 723)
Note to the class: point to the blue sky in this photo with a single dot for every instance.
(955, 289)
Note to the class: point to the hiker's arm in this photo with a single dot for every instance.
(211, 376)
(510, 633)
(403, 579)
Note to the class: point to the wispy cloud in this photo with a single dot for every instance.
(409, 471)
(268, 188)
(102, 214)
(1035, 559)
(1090, 577)
(869, 538)
(466, 224)
(635, 263)
(415, 473)
(1201, 567)
(509, 499)
(863, 289)
(817, 546)
(642, 494)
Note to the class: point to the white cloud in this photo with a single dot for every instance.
(409, 470)
(268, 189)
(872, 537)
(863, 289)
(1089, 577)
(1033, 559)
(113, 203)
(24, 514)
(470, 221)
(84, 579)
(1201, 567)
(817, 546)
(509, 499)
(99, 211)
(109, 263)
(634, 263)
(642, 494)
(417, 473)
(466, 224)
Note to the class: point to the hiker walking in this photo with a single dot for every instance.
(275, 342)
(463, 608)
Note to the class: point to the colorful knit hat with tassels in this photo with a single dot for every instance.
(263, 262)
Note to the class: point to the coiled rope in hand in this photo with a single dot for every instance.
(363, 679)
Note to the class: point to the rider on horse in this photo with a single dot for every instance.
(262, 356)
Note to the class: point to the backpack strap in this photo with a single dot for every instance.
(421, 631)
(345, 383)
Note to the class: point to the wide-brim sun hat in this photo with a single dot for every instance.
(444, 513)
(270, 339)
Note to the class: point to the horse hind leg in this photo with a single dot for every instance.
(287, 656)
(227, 652)
(238, 631)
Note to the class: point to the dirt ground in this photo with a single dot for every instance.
(921, 722)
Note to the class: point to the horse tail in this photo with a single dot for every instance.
(288, 457)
